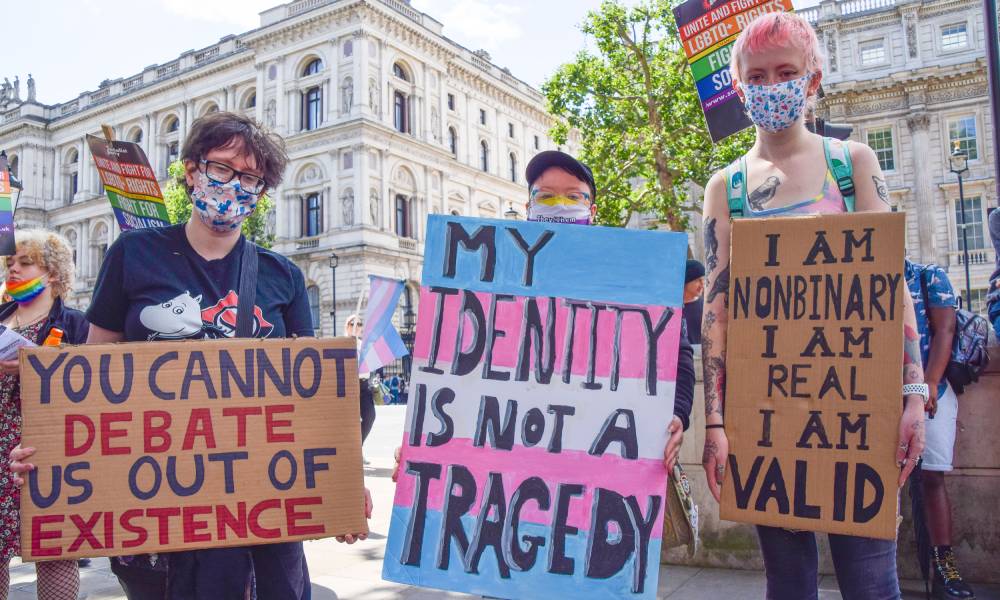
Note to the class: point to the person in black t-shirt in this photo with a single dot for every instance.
(182, 282)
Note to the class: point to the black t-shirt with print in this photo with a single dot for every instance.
(154, 286)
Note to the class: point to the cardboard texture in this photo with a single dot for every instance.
(814, 373)
(542, 386)
(160, 446)
(707, 31)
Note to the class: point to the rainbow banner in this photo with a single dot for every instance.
(543, 382)
(8, 246)
(130, 184)
(708, 29)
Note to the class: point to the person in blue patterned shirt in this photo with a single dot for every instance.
(936, 325)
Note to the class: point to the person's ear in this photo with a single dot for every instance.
(813, 88)
(190, 167)
(593, 210)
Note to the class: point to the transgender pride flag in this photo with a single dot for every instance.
(380, 342)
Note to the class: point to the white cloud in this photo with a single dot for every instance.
(243, 14)
(475, 23)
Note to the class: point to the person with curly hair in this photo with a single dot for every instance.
(39, 274)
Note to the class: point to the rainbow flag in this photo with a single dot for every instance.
(380, 342)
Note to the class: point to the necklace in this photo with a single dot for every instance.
(17, 319)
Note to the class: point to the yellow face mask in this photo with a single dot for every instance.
(560, 209)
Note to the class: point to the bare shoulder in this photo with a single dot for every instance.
(716, 196)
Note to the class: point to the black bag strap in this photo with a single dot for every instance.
(248, 291)
(923, 287)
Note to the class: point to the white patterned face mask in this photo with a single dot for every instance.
(221, 206)
(778, 106)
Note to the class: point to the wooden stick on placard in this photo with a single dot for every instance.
(109, 133)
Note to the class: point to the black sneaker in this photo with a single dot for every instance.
(948, 584)
(83, 562)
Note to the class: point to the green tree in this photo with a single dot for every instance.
(179, 208)
(632, 98)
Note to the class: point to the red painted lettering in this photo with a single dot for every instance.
(192, 526)
(225, 519)
(162, 516)
(125, 520)
(293, 516)
(241, 414)
(254, 519)
(39, 535)
(108, 433)
(153, 432)
(272, 423)
(71, 447)
(85, 531)
(200, 425)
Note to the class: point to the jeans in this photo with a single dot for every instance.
(367, 409)
(865, 567)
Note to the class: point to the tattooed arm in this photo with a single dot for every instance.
(713, 332)
(872, 196)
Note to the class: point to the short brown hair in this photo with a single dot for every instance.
(223, 129)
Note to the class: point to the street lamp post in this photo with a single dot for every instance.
(334, 259)
(511, 213)
(960, 164)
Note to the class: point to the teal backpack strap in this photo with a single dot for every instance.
(736, 188)
(843, 171)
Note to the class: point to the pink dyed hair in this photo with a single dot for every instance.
(777, 30)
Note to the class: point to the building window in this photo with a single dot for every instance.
(513, 167)
(451, 101)
(954, 36)
(13, 166)
(399, 112)
(402, 216)
(98, 247)
(172, 125)
(73, 184)
(872, 52)
(135, 136)
(962, 135)
(348, 48)
(312, 108)
(312, 215)
(173, 153)
(484, 156)
(348, 161)
(880, 140)
(251, 101)
(453, 141)
(312, 67)
(974, 224)
(482, 117)
(510, 130)
(399, 71)
(312, 292)
(978, 297)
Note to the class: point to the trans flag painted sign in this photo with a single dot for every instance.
(543, 382)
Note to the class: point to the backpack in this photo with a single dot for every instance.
(969, 355)
(838, 161)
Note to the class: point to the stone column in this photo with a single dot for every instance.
(83, 177)
(360, 75)
(281, 117)
(258, 111)
(388, 204)
(923, 192)
(360, 181)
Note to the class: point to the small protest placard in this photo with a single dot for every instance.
(8, 245)
(130, 183)
(162, 446)
(542, 386)
(814, 373)
(707, 30)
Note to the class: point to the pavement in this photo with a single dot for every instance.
(341, 571)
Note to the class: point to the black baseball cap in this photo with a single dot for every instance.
(554, 158)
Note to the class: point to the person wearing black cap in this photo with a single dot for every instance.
(694, 287)
(562, 190)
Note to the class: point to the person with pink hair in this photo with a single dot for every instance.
(776, 66)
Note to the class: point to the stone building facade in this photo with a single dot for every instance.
(911, 77)
(385, 121)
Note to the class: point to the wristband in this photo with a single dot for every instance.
(920, 389)
(715, 426)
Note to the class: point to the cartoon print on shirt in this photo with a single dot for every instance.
(183, 318)
(175, 319)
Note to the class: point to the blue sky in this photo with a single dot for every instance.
(72, 45)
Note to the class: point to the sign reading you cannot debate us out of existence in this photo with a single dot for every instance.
(814, 373)
(543, 383)
(161, 446)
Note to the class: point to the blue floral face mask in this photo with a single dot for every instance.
(221, 206)
(778, 106)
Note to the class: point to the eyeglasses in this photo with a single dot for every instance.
(221, 173)
(578, 197)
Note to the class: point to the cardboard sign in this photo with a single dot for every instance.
(162, 446)
(8, 245)
(708, 30)
(814, 373)
(130, 184)
(542, 387)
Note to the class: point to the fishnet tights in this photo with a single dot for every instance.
(57, 580)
